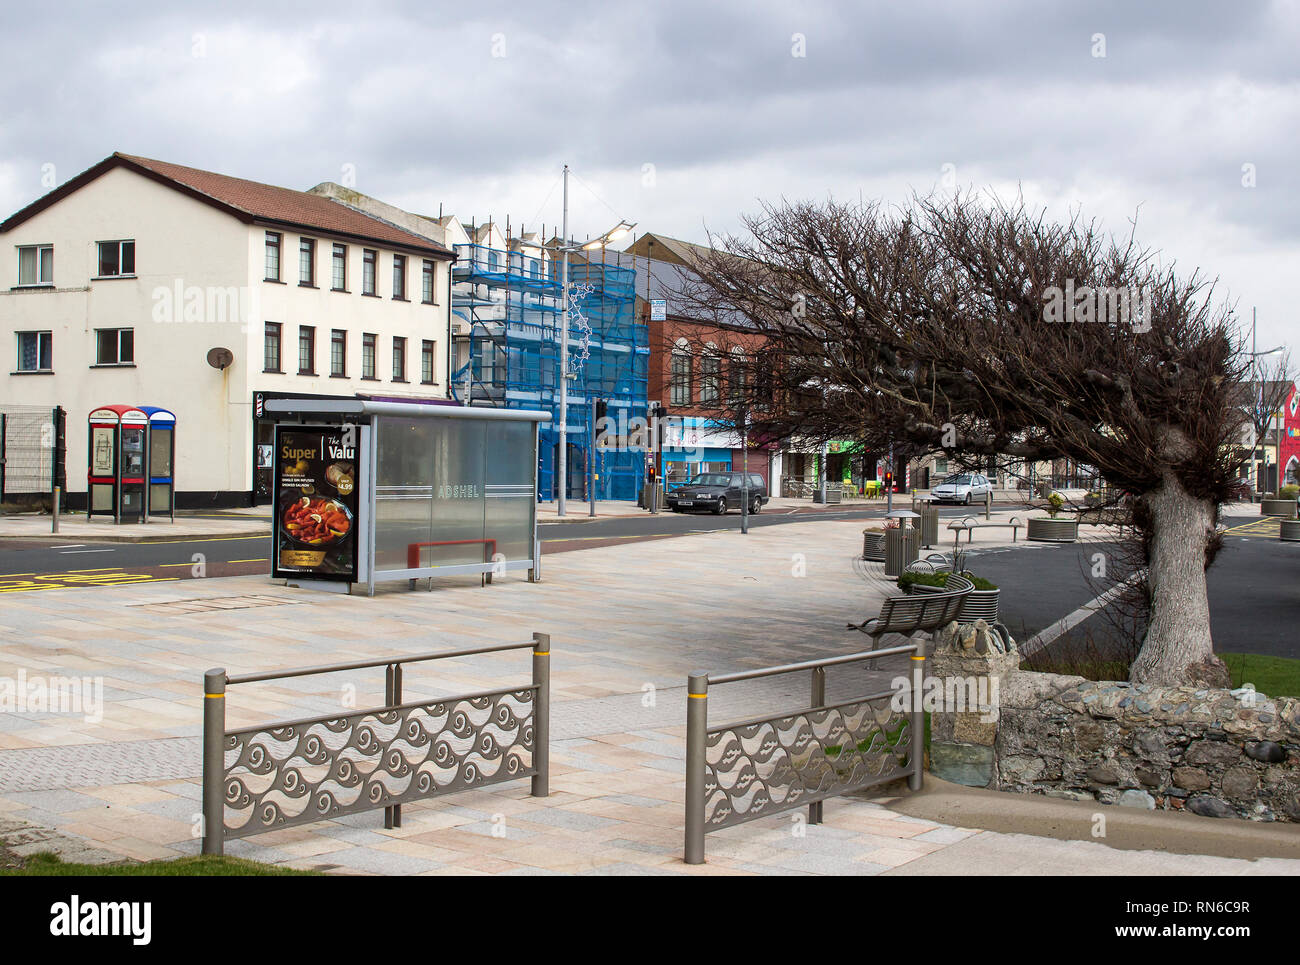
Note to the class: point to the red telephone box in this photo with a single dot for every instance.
(115, 474)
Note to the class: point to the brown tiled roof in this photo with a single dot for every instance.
(249, 201)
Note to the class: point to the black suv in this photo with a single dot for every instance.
(718, 492)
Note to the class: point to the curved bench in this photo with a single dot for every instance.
(914, 613)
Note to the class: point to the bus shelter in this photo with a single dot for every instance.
(367, 492)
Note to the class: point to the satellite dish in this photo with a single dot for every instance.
(220, 358)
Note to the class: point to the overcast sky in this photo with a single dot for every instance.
(681, 114)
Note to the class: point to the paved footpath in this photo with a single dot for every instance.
(627, 624)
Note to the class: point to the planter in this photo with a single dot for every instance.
(978, 605)
(1290, 530)
(1286, 508)
(1047, 530)
(873, 546)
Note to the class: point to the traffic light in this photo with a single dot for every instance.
(889, 480)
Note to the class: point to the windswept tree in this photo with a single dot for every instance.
(989, 332)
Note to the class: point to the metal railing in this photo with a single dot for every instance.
(749, 769)
(286, 773)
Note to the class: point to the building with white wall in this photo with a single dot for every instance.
(119, 283)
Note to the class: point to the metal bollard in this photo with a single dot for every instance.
(542, 714)
(697, 725)
(214, 763)
(392, 698)
(54, 524)
(818, 700)
(916, 720)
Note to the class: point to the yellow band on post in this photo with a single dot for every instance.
(214, 696)
(541, 653)
(914, 657)
(698, 696)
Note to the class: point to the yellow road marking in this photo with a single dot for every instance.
(249, 561)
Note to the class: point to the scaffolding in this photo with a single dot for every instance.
(508, 305)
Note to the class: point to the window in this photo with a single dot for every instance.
(307, 262)
(272, 256)
(339, 282)
(399, 277)
(306, 350)
(369, 259)
(36, 265)
(941, 466)
(367, 356)
(427, 350)
(339, 353)
(430, 277)
(116, 258)
(34, 352)
(679, 376)
(399, 359)
(114, 346)
(271, 348)
(738, 377)
(710, 380)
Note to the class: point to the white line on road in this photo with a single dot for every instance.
(1045, 636)
(79, 552)
(68, 546)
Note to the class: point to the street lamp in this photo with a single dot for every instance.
(565, 246)
(1259, 401)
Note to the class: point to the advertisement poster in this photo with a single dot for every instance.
(316, 495)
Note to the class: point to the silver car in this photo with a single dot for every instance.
(965, 488)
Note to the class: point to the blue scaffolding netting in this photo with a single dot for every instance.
(511, 301)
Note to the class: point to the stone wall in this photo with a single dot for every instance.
(1216, 753)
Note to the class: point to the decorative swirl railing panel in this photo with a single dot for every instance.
(278, 776)
(757, 768)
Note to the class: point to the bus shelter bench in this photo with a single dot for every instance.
(915, 613)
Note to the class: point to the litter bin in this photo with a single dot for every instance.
(929, 525)
(900, 550)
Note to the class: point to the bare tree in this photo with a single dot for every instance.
(988, 332)
(1268, 390)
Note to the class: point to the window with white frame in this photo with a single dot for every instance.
(116, 258)
(35, 352)
(679, 374)
(36, 265)
(710, 377)
(114, 346)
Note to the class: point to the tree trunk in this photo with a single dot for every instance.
(1178, 648)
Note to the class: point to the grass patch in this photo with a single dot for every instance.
(1274, 676)
(194, 866)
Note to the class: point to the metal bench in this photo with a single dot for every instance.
(915, 613)
(969, 524)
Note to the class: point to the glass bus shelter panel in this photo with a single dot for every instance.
(403, 488)
(460, 455)
(509, 501)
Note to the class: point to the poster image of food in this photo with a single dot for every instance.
(316, 496)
